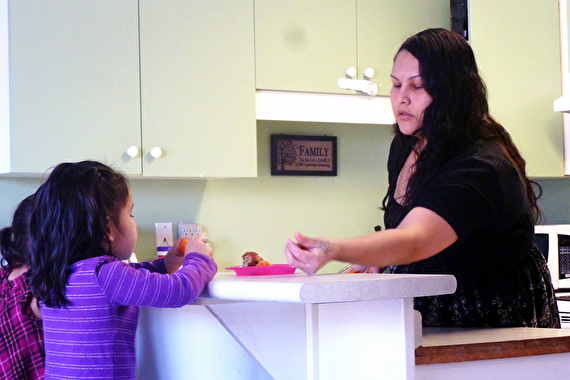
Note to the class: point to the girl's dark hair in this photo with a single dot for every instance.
(15, 240)
(458, 114)
(69, 221)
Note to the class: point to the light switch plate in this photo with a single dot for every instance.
(164, 234)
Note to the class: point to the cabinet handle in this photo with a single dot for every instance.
(133, 151)
(350, 72)
(362, 86)
(368, 73)
(156, 152)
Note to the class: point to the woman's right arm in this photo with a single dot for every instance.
(421, 234)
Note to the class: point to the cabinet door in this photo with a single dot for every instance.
(304, 45)
(198, 88)
(516, 44)
(382, 26)
(73, 84)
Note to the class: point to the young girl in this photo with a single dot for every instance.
(21, 335)
(81, 229)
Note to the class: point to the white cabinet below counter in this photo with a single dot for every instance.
(329, 326)
(91, 79)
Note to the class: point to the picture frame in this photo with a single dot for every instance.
(303, 155)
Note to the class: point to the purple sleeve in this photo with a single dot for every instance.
(125, 284)
(157, 265)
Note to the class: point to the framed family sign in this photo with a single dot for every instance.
(303, 155)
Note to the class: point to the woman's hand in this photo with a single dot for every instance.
(174, 258)
(308, 254)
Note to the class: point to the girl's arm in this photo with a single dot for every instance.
(157, 265)
(174, 258)
(422, 234)
(125, 284)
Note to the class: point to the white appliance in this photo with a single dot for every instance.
(554, 243)
(563, 301)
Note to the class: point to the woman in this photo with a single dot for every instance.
(458, 201)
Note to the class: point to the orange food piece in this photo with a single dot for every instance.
(183, 243)
(263, 263)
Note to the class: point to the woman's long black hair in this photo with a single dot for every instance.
(458, 115)
(15, 240)
(69, 223)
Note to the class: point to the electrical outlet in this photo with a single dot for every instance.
(189, 229)
(163, 234)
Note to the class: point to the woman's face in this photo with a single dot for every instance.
(408, 96)
(124, 236)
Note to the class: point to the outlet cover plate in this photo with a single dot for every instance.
(189, 229)
(164, 234)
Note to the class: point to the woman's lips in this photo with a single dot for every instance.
(404, 116)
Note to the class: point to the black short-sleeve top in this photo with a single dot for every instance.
(499, 271)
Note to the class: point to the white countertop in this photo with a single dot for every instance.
(326, 288)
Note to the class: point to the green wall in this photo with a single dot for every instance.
(259, 213)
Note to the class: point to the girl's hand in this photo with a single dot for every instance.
(174, 258)
(308, 254)
(198, 244)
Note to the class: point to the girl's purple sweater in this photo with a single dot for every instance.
(93, 337)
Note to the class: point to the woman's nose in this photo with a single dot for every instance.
(403, 96)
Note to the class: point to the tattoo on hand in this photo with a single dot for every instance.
(326, 247)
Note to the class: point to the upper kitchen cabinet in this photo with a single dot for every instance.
(198, 88)
(516, 44)
(173, 80)
(306, 45)
(70, 84)
(383, 25)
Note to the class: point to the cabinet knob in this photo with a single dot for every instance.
(133, 151)
(350, 72)
(368, 73)
(156, 152)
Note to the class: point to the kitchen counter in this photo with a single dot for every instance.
(329, 326)
(449, 345)
(493, 353)
(326, 288)
(338, 326)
